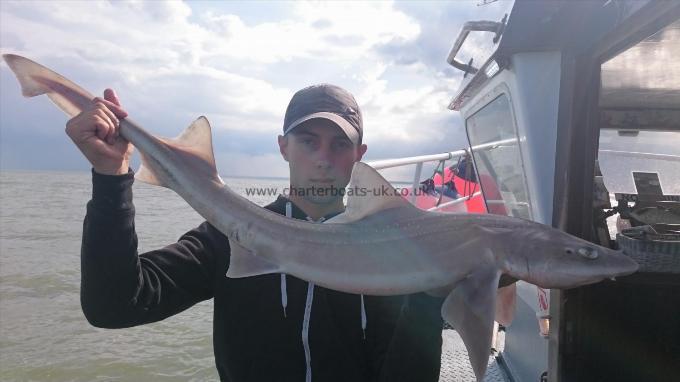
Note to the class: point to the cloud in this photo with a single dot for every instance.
(172, 61)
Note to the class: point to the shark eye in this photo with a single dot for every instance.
(588, 253)
(569, 251)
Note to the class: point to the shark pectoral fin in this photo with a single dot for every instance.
(369, 193)
(194, 147)
(244, 263)
(470, 309)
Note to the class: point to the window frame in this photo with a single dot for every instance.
(500, 90)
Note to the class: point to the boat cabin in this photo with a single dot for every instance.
(574, 121)
(585, 98)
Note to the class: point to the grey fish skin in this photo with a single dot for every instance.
(381, 245)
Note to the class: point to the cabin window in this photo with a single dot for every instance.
(498, 161)
(640, 114)
(639, 145)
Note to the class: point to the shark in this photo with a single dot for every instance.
(380, 244)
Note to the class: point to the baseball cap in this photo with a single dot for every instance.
(329, 102)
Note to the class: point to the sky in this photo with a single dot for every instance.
(238, 64)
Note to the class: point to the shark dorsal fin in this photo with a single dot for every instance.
(369, 193)
(194, 145)
(197, 138)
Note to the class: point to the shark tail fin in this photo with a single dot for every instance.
(195, 148)
(36, 80)
(470, 309)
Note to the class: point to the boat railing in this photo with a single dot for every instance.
(668, 157)
(441, 158)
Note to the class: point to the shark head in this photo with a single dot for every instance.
(555, 259)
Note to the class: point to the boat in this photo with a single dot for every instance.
(451, 189)
(574, 121)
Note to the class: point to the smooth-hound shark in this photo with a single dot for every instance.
(380, 245)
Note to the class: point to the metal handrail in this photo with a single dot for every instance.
(474, 26)
(398, 162)
(454, 202)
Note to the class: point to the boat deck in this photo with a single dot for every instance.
(455, 366)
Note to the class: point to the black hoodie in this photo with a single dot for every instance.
(253, 339)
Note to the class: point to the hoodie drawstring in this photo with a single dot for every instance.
(284, 290)
(284, 294)
(306, 320)
(364, 320)
(305, 331)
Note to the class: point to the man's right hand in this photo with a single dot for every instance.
(96, 133)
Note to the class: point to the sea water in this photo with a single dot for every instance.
(43, 333)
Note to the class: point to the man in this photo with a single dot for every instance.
(269, 327)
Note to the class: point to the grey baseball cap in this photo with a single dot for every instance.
(329, 102)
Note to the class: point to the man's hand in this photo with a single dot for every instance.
(96, 133)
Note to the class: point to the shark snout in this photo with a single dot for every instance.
(611, 264)
(622, 264)
(582, 269)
